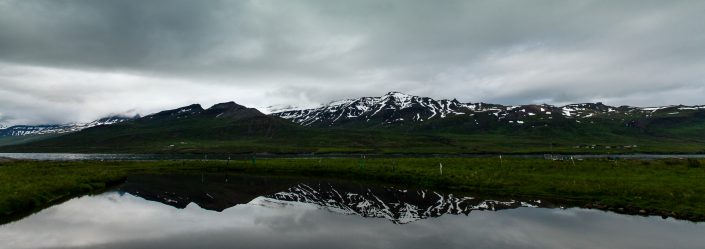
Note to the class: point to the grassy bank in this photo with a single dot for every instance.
(668, 187)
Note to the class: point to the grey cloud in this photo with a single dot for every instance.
(305, 52)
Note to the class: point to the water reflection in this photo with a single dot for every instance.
(298, 215)
(219, 192)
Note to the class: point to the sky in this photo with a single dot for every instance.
(74, 61)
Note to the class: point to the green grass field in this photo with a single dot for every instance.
(669, 187)
(373, 142)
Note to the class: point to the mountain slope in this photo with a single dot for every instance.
(171, 129)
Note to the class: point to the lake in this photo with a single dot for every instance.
(237, 211)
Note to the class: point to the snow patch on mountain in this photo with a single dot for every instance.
(26, 130)
(393, 107)
(277, 108)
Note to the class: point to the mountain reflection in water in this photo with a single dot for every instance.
(215, 211)
(218, 192)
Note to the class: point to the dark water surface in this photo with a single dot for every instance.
(217, 211)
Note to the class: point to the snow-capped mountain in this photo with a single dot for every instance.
(25, 130)
(392, 107)
(399, 206)
(278, 108)
(400, 108)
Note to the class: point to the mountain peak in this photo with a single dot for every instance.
(226, 106)
(192, 106)
(398, 94)
(393, 107)
(231, 110)
(178, 112)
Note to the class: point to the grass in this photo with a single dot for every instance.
(669, 187)
(354, 141)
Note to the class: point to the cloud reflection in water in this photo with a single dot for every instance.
(112, 220)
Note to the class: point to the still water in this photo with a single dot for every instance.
(216, 211)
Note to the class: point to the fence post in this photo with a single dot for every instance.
(362, 161)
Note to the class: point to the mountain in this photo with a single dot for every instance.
(27, 130)
(224, 111)
(188, 128)
(395, 123)
(398, 109)
(393, 107)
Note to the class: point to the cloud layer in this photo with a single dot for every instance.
(63, 61)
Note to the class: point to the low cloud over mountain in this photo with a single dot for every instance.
(62, 61)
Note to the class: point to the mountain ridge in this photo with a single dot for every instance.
(48, 129)
(394, 123)
(397, 107)
(393, 108)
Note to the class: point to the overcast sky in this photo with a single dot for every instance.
(64, 61)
